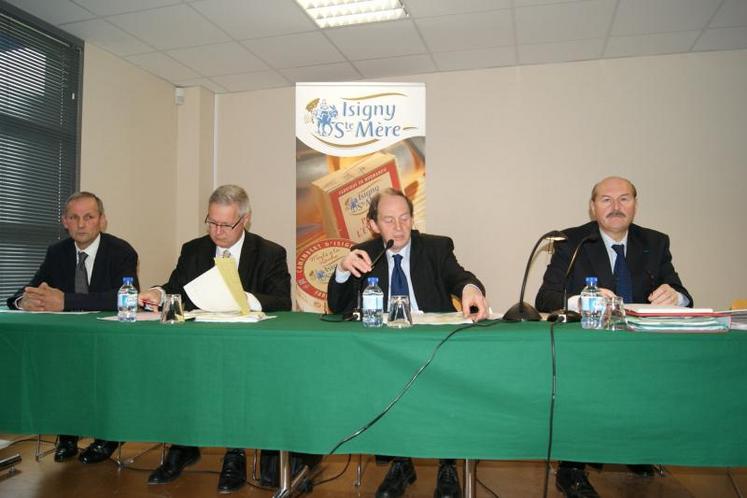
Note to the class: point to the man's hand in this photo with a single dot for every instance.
(356, 262)
(43, 298)
(607, 293)
(471, 296)
(150, 298)
(664, 294)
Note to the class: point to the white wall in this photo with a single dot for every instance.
(513, 152)
(128, 157)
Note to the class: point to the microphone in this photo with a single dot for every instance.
(522, 311)
(563, 314)
(356, 315)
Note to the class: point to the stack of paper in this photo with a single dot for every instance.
(681, 324)
(226, 316)
(738, 319)
(661, 310)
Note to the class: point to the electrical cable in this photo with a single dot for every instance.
(340, 474)
(477, 464)
(406, 387)
(551, 418)
(327, 317)
(27, 440)
(733, 483)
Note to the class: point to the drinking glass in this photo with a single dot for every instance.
(172, 311)
(615, 314)
(399, 312)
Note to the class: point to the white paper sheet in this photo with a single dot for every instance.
(209, 292)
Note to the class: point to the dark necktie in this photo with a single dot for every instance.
(81, 274)
(623, 280)
(399, 280)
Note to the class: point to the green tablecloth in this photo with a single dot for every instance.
(297, 383)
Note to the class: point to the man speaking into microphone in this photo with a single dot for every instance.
(417, 265)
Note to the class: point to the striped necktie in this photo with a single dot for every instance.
(81, 274)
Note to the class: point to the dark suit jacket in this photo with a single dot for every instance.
(262, 268)
(434, 271)
(647, 255)
(115, 259)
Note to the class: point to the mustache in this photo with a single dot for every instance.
(619, 214)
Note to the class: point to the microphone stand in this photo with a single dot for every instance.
(523, 311)
(356, 314)
(564, 314)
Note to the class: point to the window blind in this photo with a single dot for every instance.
(39, 140)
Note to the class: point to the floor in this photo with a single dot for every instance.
(48, 479)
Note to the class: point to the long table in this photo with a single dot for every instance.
(298, 383)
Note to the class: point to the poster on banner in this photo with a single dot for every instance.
(353, 140)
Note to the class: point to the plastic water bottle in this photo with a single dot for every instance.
(373, 304)
(127, 301)
(589, 304)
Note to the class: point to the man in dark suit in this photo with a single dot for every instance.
(263, 271)
(80, 273)
(424, 268)
(629, 261)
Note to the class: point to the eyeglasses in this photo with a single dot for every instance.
(211, 224)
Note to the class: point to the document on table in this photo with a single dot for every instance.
(50, 312)
(140, 316)
(454, 318)
(226, 316)
(219, 289)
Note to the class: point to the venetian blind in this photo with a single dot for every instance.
(39, 126)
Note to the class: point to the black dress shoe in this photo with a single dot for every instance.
(176, 459)
(401, 474)
(574, 483)
(67, 446)
(643, 470)
(98, 451)
(233, 473)
(447, 484)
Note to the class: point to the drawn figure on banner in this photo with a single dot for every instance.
(323, 115)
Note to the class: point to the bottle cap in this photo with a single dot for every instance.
(127, 280)
(373, 280)
(591, 281)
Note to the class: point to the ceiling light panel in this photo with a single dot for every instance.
(334, 13)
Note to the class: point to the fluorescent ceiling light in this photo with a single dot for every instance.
(332, 13)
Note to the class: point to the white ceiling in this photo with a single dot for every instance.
(239, 45)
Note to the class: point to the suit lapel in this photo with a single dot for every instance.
(248, 260)
(636, 252)
(100, 264)
(70, 262)
(206, 257)
(416, 268)
(600, 262)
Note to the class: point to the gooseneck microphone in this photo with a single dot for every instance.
(563, 314)
(356, 315)
(522, 311)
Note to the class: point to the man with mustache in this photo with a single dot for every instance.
(629, 261)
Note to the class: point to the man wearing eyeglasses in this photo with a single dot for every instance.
(80, 273)
(263, 271)
(422, 267)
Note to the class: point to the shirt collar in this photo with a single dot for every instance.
(235, 249)
(609, 241)
(91, 250)
(404, 252)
